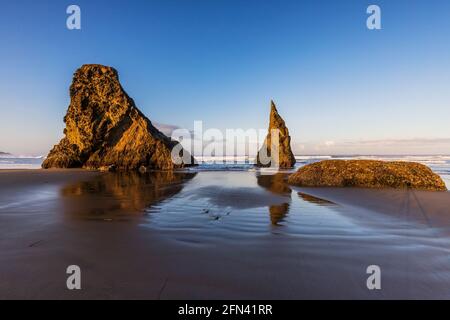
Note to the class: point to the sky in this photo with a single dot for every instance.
(341, 88)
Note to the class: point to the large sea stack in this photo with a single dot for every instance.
(286, 158)
(105, 129)
(368, 174)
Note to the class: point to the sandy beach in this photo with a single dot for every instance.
(216, 235)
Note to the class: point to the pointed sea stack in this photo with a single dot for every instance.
(105, 129)
(286, 158)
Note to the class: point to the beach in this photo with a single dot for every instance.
(216, 234)
(225, 150)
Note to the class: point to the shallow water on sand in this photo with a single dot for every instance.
(216, 234)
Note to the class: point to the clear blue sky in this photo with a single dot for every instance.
(340, 87)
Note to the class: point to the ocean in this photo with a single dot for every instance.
(20, 162)
(440, 164)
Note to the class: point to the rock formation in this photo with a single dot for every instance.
(105, 129)
(367, 174)
(286, 158)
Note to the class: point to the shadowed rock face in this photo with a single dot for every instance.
(104, 128)
(367, 174)
(286, 158)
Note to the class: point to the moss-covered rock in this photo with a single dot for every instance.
(367, 174)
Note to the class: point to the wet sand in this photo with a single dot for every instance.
(213, 235)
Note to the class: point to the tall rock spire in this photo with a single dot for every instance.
(104, 128)
(279, 131)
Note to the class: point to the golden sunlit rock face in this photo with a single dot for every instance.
(285, 158)
(105, 129)
(367, 174)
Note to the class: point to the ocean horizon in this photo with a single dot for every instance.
(440, 164)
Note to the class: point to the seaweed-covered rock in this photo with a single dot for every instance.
(286, 158)
(105, 129)
(367, 174)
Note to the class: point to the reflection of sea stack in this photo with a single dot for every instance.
(104, 128)
(286, 158)
(276, 184)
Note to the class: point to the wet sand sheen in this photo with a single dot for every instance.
(216, 235)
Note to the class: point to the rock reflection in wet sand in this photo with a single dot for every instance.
(276, 184)
(315, 200)
(116, 196)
